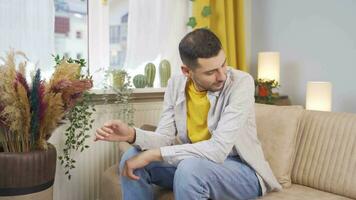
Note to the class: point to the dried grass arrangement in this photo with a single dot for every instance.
(29, 113)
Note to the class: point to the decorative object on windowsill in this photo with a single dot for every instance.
(140, 81)
(28, 116)
(122, 96)
(150, 73)
(205, 12)
(117, 77)
(319, 96)
(164, 72)
(268, 77)
(104, 2)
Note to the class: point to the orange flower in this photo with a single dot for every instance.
(262, 91)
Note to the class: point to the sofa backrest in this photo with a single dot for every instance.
(277, 132)
(326, 152)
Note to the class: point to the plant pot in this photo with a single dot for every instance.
(263, 91)
(118, 80)
(28, 175)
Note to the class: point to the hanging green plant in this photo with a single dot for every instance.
(80, 122)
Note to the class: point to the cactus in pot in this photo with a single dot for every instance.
(150, 73)
(140, 81)
(164, 72)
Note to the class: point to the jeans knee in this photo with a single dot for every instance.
(188, 172)
(127, 155)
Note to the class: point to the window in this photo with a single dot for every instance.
(71, 38)
(79, 35)
(138, 32)
(79, 56)
(40, 30)
(64, 30)
(118, 18)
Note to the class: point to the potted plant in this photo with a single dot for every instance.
(117, 77)
(121, 96)
(264, 93)
(29, 113)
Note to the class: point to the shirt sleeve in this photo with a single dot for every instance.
(166, 128)
(232, 122)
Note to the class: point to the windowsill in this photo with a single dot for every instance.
(103, 96)
(135, 91)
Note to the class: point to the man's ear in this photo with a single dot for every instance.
(185, 71)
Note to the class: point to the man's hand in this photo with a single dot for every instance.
(115, 130)
(140, 161)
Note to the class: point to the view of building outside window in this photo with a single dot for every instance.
(118, 18)
(71, 35)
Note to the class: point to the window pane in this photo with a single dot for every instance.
(27, 26)
(71, 35)
(39, 31)
(118, 19)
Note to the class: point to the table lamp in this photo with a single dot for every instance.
(319, 96)
(268, 66)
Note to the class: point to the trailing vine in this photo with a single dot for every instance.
(80, 123)
(122, 96)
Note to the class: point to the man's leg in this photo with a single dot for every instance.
(158, 173)
(202, 179)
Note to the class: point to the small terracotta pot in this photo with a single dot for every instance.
(27, 173)
(262, 91)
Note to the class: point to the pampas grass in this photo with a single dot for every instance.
(29, 115)
(52, 116)
(11, 113)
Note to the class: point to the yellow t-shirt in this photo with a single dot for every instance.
(197, 114)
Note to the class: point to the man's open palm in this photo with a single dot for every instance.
(115, 130)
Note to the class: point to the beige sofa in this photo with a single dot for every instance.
(312, 154)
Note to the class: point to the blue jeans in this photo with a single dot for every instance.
(193, 178)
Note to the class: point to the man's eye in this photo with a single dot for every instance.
(210, 73)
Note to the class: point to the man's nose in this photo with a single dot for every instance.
(221, 75)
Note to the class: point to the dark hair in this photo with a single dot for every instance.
(200, 43)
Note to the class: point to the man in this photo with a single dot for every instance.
(211, 110)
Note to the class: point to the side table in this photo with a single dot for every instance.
(282, 100)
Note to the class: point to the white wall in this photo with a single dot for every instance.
(316, 40)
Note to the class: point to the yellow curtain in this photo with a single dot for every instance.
(227, 22)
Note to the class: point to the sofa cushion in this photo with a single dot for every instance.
(298, 192)
(326, 152)
(277, 129)
(110, 184)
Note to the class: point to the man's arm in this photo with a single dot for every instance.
(232, 121)
(140, 161)
(166, 128)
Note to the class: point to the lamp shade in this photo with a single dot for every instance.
(319, 95)
(268, 66)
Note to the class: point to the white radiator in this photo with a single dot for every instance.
(90, 164)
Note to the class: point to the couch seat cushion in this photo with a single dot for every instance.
(298, 192)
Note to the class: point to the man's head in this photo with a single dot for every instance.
(204, 61)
